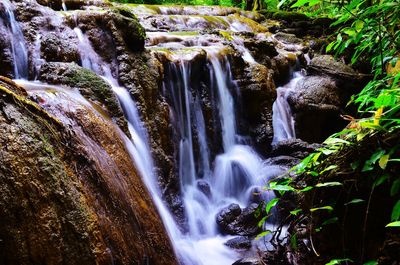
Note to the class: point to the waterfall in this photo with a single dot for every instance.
(237, 171)
(282, 118)
(17, 40)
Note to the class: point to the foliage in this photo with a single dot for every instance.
(367, 29)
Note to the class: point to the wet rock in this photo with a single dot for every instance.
(71, 195)
(295, 148)
(234, 221)
(204, 187)
(239, 243)
(89, 85)
(249, 261)
(228, 215)
(110, 29)
(316, 104)
(56, 49)
(6, 58)
(287, 38)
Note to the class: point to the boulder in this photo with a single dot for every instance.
(327, 65)
(239, 243)
(234, 221)
(295, 148)
(249, 261)
(316, 104)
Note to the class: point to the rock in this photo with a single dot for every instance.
(248, 261)
(316, 104)
(234, 221)
(326, 64)
(90, 85)
(239, 243)
(204, 187)
(56, 48)
(294, 148)
(228, 214)
(287, 38)
(70, 193)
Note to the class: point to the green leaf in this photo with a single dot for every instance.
(338, 261)
(381, 180)
(395, 187)
(393, 224)
(328, 184)
(271, 204)
(306, 189)
(383, 161)
(300, 3)
(358, 25)
(354, 201)
(263, 234)
(328, 208)
(295, 212)
(330, 46)
(396, 212)
(293, 242)
(262, 221)
(329, 168)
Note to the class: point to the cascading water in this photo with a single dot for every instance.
(17, 41)
(237, 171)
(231, 175)
(282, 119)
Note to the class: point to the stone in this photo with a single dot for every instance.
(294, 148)
(239, 243)
(326, 64)
(204, 187)
(235, 221)
(316, 104)
(248, 261)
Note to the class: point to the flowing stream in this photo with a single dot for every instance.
(232, 175)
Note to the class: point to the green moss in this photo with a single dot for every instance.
(183, 33)
(226, 35)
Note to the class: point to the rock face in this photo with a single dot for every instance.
(70, 194)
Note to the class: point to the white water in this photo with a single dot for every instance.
(282, 118)
(18, 45)
(237, 171)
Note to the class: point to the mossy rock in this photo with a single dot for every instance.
(90, 85)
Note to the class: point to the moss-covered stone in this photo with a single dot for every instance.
(90, 85)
